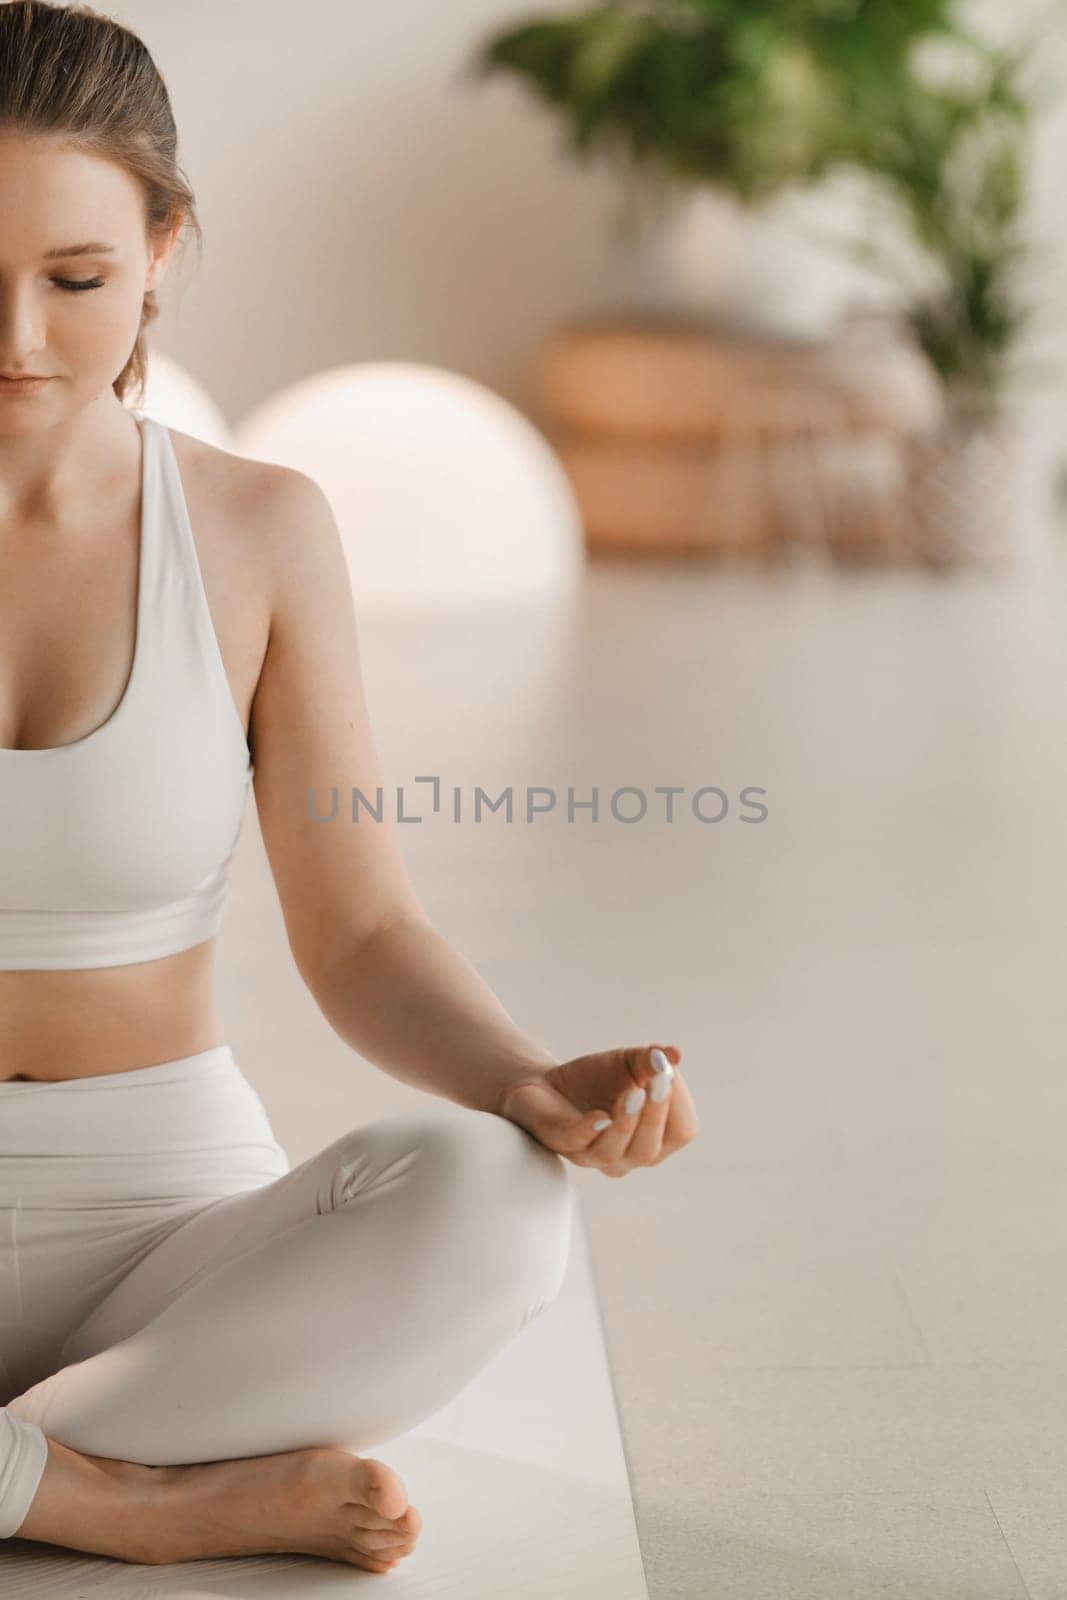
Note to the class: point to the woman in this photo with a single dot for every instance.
(195, 1340)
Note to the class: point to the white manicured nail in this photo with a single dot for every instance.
(661, 1087)
(601, 1123)
(660, 1062)
(634, 1101)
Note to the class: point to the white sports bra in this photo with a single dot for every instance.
(116, 848)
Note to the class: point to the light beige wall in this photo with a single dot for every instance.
(357, 202)
(360, 202)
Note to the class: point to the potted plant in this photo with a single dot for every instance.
(951, 156)
(751, 98)
(723, 105)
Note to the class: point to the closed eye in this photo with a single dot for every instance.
(75, 285)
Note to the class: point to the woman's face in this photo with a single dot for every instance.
(52, 200)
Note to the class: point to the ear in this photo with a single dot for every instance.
(161, 253)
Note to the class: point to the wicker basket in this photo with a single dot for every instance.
(747, 499)
(682, 440)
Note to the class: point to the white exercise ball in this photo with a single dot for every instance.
(445, 495)
(178, 400)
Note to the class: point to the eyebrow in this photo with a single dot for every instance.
(91, 249)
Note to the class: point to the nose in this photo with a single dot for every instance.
(22, 326)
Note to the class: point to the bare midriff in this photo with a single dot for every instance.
(78, 1024)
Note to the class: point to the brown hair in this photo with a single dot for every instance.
(70, 74)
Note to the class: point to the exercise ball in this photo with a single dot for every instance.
(178, 400)
(446, 497)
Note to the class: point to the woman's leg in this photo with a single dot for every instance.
(339, 1305)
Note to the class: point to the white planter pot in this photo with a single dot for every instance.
(683, 251)
(702, 253)
(975, 495)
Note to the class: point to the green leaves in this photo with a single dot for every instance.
(606, 47)
(953, 158)
(760, 95)
(751, 94)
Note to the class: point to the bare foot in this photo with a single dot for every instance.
(320, 1501)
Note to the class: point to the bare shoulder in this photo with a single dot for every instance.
(275, 522)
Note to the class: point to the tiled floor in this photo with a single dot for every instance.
(859, 1270)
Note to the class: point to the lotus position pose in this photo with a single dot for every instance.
(196, 1342)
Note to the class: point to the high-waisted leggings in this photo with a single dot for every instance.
(171, 1292)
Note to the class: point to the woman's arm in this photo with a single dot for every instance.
(385, 979)
(410, 1003)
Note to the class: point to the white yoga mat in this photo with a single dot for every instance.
(521, 1482)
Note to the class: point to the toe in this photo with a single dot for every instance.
(357, 1558)
(385, 1490)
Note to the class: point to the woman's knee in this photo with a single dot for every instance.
(496, 1154)
(513, 1199)
(484, 1183)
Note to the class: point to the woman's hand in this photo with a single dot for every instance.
(563, 1105)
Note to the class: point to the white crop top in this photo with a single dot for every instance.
(117, 848)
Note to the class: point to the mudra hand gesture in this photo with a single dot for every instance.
(615, 1110)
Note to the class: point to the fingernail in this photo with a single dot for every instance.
(660, 1087)
(660, 1062)
(634, 1101)
(601, 1124)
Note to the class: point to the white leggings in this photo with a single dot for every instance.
(170, 1292)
